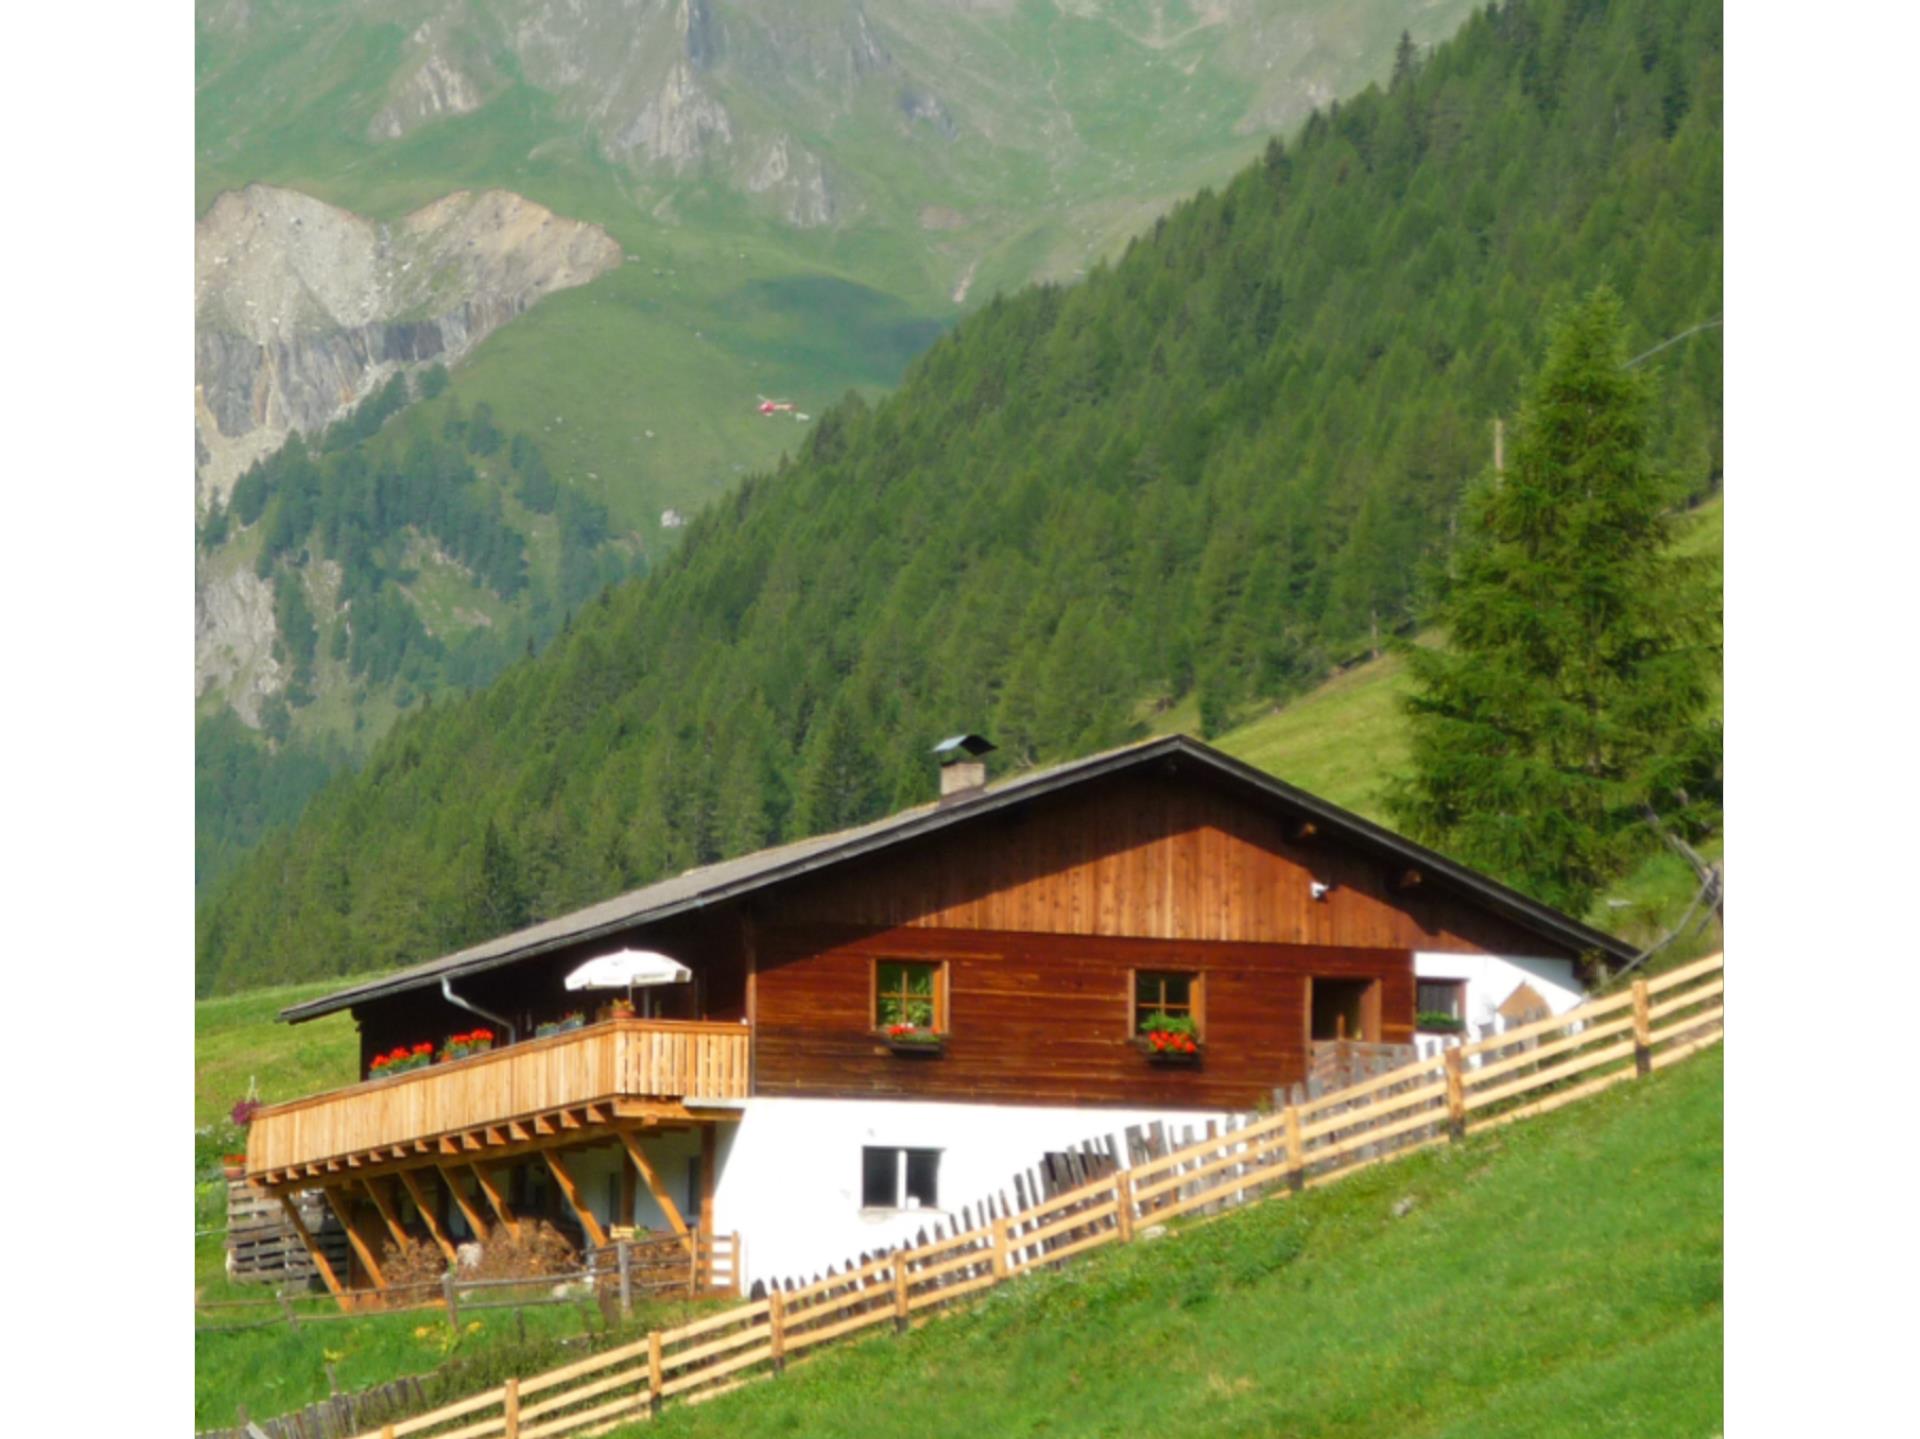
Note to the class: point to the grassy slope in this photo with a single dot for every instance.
(1560, 1277)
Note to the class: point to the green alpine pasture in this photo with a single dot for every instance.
(1560, 1277)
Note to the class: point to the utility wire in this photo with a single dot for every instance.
(1673, 340)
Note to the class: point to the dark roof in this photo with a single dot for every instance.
(729, 879)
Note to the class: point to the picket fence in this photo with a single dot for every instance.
(1528, 1070)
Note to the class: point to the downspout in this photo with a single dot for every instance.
(446, 988)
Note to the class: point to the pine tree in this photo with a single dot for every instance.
(839, 778)
(1571, 700)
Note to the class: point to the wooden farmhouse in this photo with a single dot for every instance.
(879, 1025)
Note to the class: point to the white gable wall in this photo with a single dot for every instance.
(1491, 978)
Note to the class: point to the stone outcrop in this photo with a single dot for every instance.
(302, 309)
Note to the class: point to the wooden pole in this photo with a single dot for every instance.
(475, 1220)
(1123, 1200)
(1642, 1030)
(626, 1279)
(658, 1190)
(510, 1403)
(1456, 1097)
(387, 1214)
(776, 1329)
(450, 1292)
(1296, 1151)
(900, 1292)
(1000, 1266)
(654, 1370)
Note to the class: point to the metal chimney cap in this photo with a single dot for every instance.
(961, 746)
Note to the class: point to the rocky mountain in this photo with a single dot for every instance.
(302, 309)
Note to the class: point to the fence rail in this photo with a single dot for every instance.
(1522, 1072)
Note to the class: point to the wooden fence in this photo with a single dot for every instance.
(693, 1265)
(262, 1247)
(1525, 1071)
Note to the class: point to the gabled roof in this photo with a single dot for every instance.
(732, 878)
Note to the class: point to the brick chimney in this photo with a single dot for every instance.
(963, 771)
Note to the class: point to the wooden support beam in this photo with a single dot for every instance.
(709, 1173)
(429, 1212)
(474, 1220)
(654, 1187)
(518, 1132)
(596, 1236)
(314, 1251)
(567, 1119)
(376, 1192)
(343, 1210)
(540, 1126)
(498, 1200)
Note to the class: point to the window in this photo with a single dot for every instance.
(1440, 1003)
(910, 992)
(1174, 993)
(899, 1178)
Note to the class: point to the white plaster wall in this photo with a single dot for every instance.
(1491, 978)
(789, 1180)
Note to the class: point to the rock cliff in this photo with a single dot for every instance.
(302, 309)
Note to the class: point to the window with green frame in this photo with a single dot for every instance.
(909, 992)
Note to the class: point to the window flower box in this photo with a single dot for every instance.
(1169, 1039)
(912, 1039)
(572, 1021)
(1432, 1021)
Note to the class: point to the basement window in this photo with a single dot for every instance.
(893, 1179)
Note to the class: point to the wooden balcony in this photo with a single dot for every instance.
(526, 1096)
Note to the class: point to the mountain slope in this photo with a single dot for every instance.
(1206, 471)
(1557, 1278)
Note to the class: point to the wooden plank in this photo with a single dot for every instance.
(1554, 1101)
(1582, 1014)
(343, 1210)
(1380, 1108)
(596, 1236)
(1662, 982)
(428, 1212)
(1580, 1064)
(388, 1217)
(1541, 1053)
(654, 1187)
(709, 1171)
(314, 1251)
(496, 1200)
(738, 1314)
(475, 1221)
(806, 1337)
(1672, 1056)
(1675, 1003)
(715, 1371)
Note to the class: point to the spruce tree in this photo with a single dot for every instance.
(1571, 702)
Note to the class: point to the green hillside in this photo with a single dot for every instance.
(1201, 476)
(1561, 1277)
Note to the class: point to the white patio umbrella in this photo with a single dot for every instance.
(629, 969)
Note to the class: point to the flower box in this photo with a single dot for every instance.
(400, 1060)
(1430, 1021)
(910, 1039)
(576, 1020)
(462, 1046)
(1188, 1052)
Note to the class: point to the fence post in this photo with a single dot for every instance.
(999, 1250)
(654, 1381)
(450, 1292)
(1642, 1031)
(1123, 1198)
(1296, 1151)
(510, 1405)
(776, 1336)
(626, 1279)
(693, 1262)
(900, 1291)
(286, 1308)
(1456, 1097)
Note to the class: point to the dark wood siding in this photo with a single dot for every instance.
(1042, 1018)
(1158, 856)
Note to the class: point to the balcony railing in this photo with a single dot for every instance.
(622, 1059)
